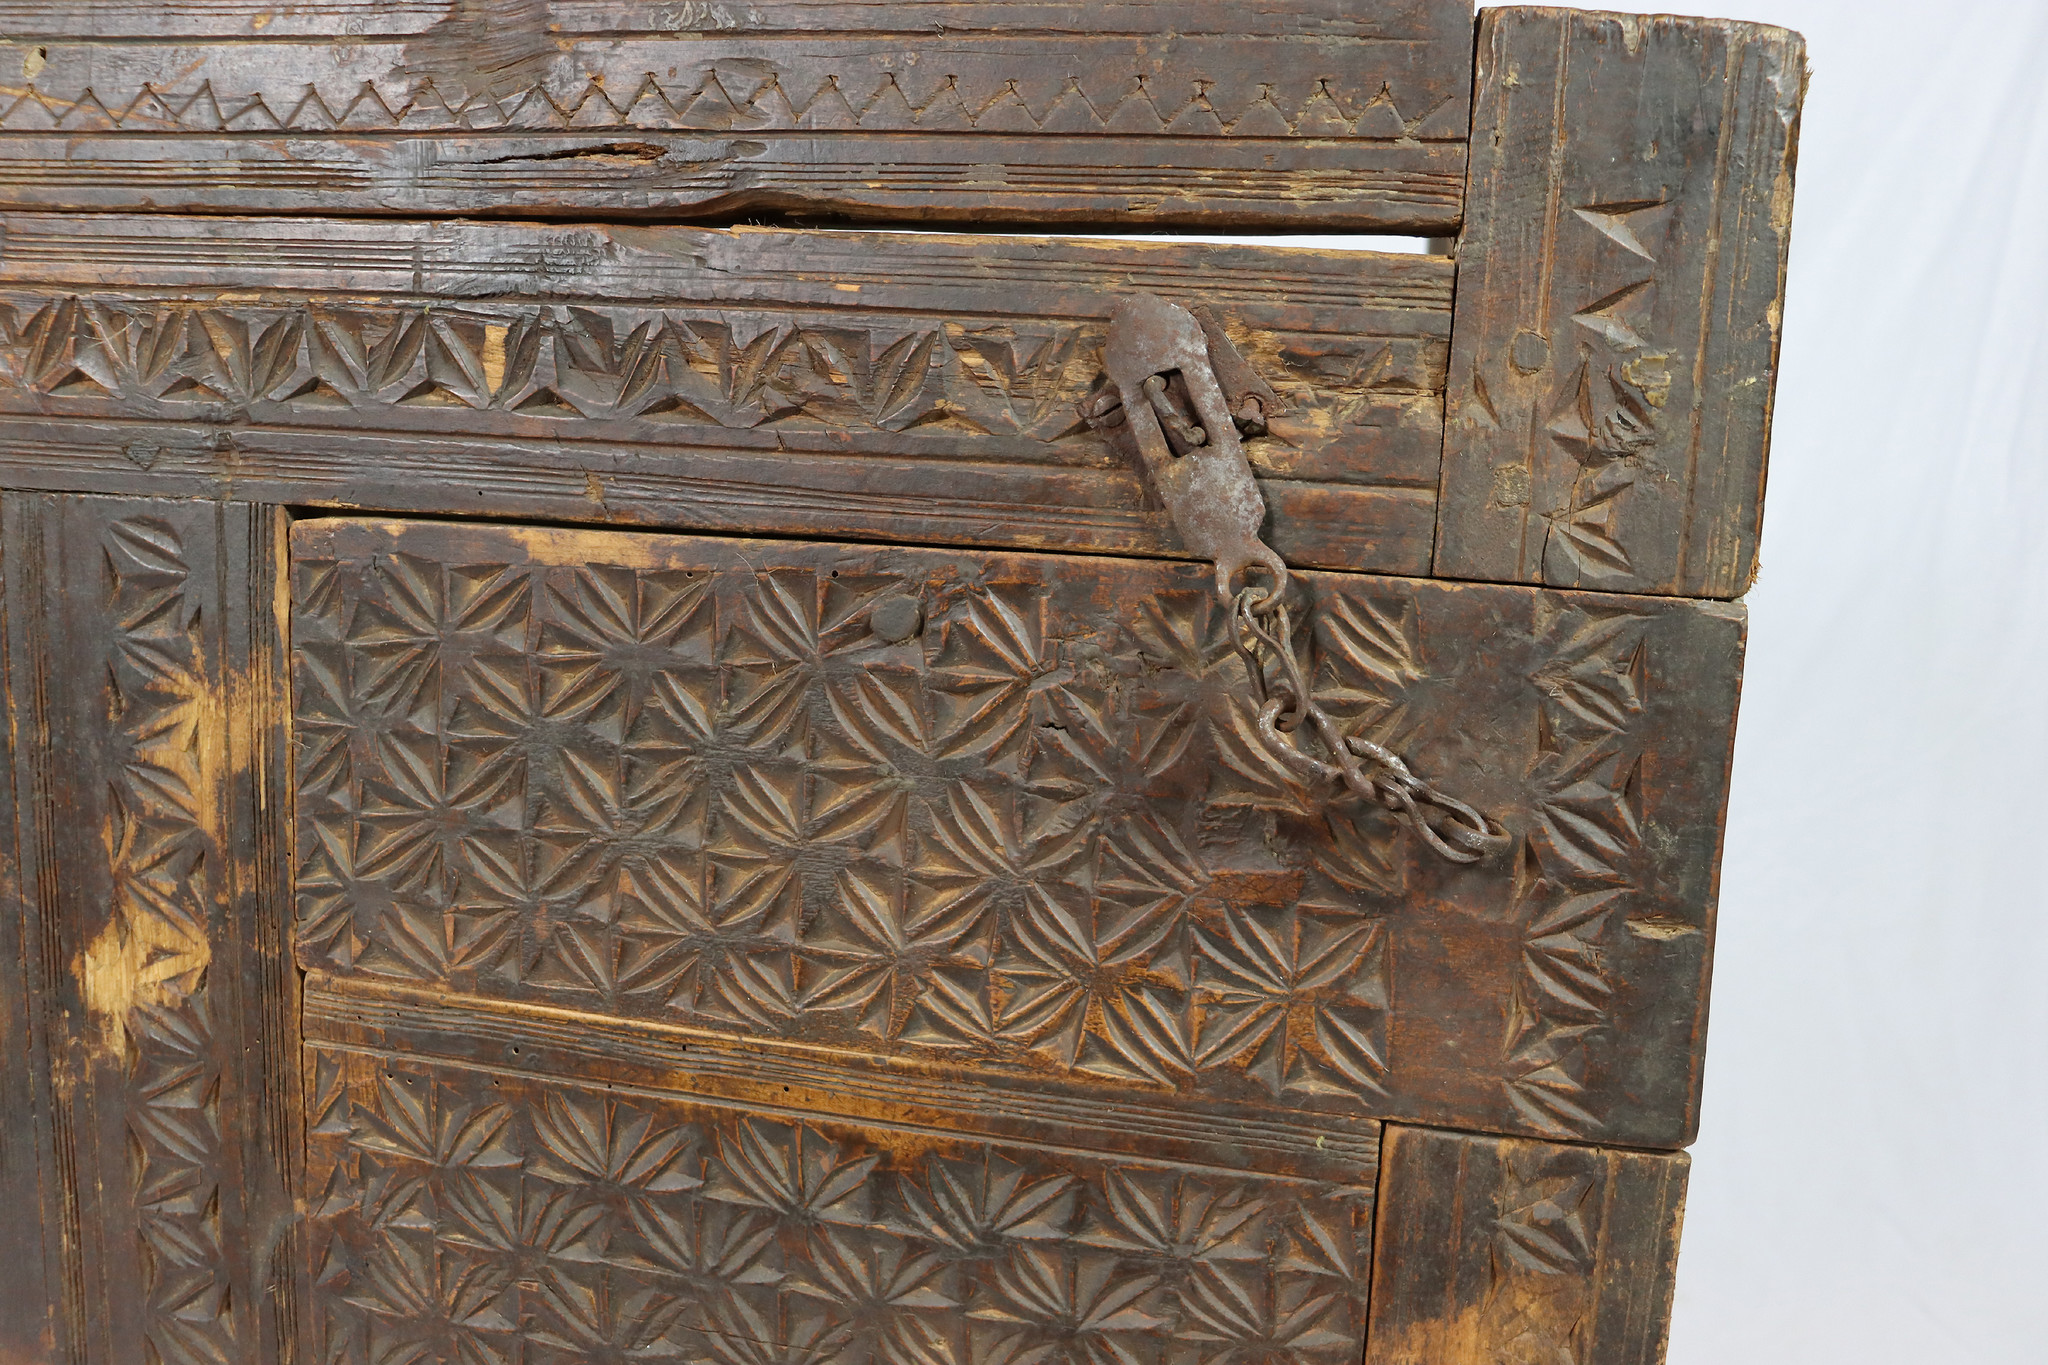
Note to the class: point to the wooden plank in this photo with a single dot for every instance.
(1329, 114)
(1508, 1249)
(995, 819)
(143, 655)
(32, 1212)
(909, 387)
(362, 1010)
(1620, 278)
(660, 1225)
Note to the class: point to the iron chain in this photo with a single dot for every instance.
(1265, 640)
(1181, 398)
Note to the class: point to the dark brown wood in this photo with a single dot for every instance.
(1325, 114)
(527, 937)
(148, 708)
(911, 387)
(1506, 1249)
(1025, 837)
(461, 1212)
(1620, 277)
(31, 1195)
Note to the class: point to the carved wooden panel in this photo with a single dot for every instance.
(144, 683)
(1619, 293)
(1326, 114)
(1498, 1249)
(912, 387)
(462, 1214)
(998, 817)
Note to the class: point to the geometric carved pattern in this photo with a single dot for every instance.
(1317, 113)
(1608, 418)
(1578, 860)
(165, 868)
(1504, 1249)
(767, 820)
(723, 369)
(911, 387)
(464, 1215)
(746, 94)
(1002, 816)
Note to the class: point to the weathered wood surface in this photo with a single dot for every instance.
(1498, 1249)
(589, 1221)
(734, 948)
(156, 1043)
(901, 386)
(1620, 276)
(1327, 114)
(1001, 819)
(29, 1191)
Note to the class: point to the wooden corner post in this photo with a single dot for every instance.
(1620, 273)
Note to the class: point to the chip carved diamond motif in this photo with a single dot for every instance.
(470, 1216)
(1034, 837)
(164, 860)
(510, 365)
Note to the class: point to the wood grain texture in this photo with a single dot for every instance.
(460, 940)
(1620, 278)
(909, 387)
(1017, 832)
(1324, 115)
(364, 1010)
(1499, 1249)
(30, 1203)
(468, 1213)
(143, 678)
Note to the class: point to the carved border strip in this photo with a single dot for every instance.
(1615, 354)
(908, 387)
(143, 657)
(1055, 113)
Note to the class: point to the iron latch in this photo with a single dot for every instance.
(1167, 389)
(1184, 397)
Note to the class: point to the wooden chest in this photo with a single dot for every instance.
(589, 783)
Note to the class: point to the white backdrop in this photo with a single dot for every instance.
(1871, 1180)
(1870, 1184)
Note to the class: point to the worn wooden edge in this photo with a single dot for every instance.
(38, 1218)
(1615, 352)
(1491, 1248)
(230, 259)
(662, 177)
(148, 696)
(612, 484)
(87, 404)
(42, 22)
(271, 1069)
(1318, 116)
(736, 1072)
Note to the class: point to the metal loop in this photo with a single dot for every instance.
(1451, 828)
(1178, 395)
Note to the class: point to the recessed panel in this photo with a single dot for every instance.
(1006, 819)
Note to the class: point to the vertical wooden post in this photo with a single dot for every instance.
(144, 677)
(1615, 337)
(1497, 1249)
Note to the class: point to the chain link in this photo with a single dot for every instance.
(1265, 640)
(1179, 398)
